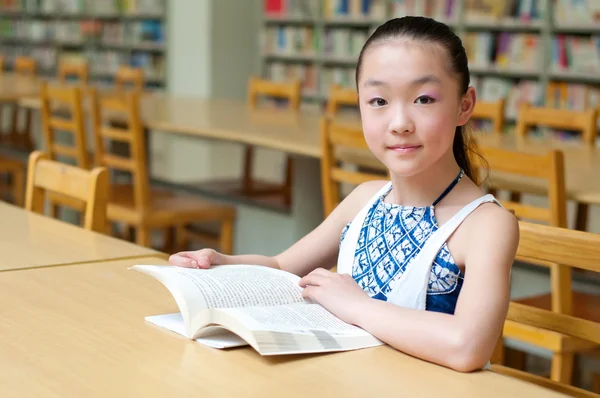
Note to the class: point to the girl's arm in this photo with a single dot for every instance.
(317, 249)
(463, 341)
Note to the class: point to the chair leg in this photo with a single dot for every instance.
(14, 125)
(287, 187)
(26, 134)
(581, 216)
(54, 209)
(226, 237)
(182, 241)
(515, 197)
(596, 383)
(498, 354)
(18, 187)
(129, 233)
(562, 367)
(144, 236)
(247, 187)
(169, 244)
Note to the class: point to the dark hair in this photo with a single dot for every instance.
(429, 30)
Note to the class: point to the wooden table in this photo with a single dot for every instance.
(300, 134)
(79, 331)
(29, 240)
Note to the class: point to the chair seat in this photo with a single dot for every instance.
(586, 306)
(166, 208)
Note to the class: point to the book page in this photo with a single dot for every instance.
(292, 318)
(228, 286)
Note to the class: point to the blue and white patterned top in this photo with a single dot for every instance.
(390, 238)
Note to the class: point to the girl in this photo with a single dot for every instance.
(426, 240)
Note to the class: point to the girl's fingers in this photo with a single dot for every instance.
(312, 279)
(183, 259)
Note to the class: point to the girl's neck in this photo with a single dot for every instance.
(424, 188)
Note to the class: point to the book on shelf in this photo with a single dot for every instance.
(354, 9)
(291, 8)
(503, 51)
(492, 11)
(441, 10)
(236, 305)
(575, 54)
(577, 13)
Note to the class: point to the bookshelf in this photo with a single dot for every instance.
(515, 47)
(105, 33)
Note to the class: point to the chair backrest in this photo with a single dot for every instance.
(25, 66)
(129, 76)
(493, 111)
(548, 167)
(290, 91)
(106, 108)
(90, 186)
(61, 110)
(561, 246)
(582, 121)
(342, 143)
(340, 96)
(79, 70)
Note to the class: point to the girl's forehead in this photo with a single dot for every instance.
(405, 57)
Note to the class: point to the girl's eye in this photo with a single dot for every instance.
(424, 100)
(378, 102)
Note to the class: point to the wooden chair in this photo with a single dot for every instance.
(79, 70)
(583, 121)
(252, 187)
(15, 171)
(336, 140)
(493, 111)
(21, 138)
(555, 246)
(340, 96)
(137, 204)
(549, 167)
(67, 99)
(46, 176)
(129, 76)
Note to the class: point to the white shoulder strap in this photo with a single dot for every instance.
(348, 246)
(410, 290)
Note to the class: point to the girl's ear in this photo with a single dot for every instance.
(467, 104)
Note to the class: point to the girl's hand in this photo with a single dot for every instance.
(339, 294)
(197, 259)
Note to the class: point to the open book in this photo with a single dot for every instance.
(235, 305)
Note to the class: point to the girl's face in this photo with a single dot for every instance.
(410, 104)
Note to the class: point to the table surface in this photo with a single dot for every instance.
(79, 331)
(299, 133)
(31, 240)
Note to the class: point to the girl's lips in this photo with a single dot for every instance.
(404, 148)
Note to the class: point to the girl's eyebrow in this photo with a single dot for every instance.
(416, 82)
